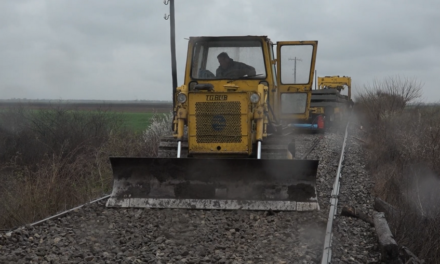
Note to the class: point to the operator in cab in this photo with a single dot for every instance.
(232, 69)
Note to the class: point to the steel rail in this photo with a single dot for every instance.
(59, 214)
(327, 252)
(314, 144)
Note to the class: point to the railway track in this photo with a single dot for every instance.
(93, 233)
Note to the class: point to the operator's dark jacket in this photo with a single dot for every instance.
(235, 70)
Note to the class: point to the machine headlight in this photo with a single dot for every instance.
(255, 98)
(181, 98)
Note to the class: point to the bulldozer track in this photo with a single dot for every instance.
(272, 148)
(91, 232)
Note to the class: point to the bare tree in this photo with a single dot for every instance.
(383, 98)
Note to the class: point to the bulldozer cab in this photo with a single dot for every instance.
(251, 61)
(222, 155)
(226, 59)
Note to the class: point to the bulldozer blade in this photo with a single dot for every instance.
(244, 184)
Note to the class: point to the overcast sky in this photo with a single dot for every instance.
(120, 49)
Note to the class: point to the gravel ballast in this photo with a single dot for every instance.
(96, 234)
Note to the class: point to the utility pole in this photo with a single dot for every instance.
(173, 44)
(294, 68)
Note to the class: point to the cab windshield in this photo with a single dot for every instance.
(228, 59)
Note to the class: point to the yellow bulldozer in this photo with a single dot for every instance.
(328, 100)
(232, 146)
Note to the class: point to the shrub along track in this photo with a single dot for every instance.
(96, 234)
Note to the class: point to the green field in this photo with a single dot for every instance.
(137, 122)
(135, 115)
(134, 121)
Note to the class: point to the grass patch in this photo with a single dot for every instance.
(134, 121)
(137, 122)
(52, 160)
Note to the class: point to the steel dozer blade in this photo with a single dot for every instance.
(242, 184)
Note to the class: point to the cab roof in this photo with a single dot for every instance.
(227, 37)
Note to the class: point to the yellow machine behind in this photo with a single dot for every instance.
(231, 147)
(328, 99)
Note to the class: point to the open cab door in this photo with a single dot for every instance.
(295, 69)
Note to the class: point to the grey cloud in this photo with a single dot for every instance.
(120, 49)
